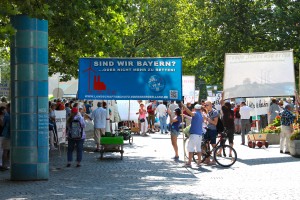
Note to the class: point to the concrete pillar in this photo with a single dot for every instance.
(29, 99)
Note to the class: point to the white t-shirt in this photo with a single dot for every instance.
(245, 112)
(161, 110)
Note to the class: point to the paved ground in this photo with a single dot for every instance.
(147, 172)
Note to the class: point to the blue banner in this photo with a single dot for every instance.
(130, 79)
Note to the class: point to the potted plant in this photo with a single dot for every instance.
(294, 144)
(273, 131)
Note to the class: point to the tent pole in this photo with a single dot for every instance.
(129, 112)
(256, 116)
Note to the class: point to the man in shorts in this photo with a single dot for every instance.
(196, 132)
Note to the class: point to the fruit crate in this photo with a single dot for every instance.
(111, 144)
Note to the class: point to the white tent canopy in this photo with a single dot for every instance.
(259, 74)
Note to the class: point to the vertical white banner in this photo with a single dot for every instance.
(188, 88)
(197, 95)
(217, 100)
(61, 125)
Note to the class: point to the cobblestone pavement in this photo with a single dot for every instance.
(148, 172)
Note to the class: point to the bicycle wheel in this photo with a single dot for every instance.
(186, 152)
(205, 153)
(225, 155)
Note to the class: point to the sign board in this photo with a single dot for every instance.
(130, 78)
(197, 92)
(4, 89)
(211, 90)
(268, 74)
(60, 116)
(188, 89)
(58, 93)
(217, 100)
(260, 106)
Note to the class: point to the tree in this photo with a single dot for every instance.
(199, 31)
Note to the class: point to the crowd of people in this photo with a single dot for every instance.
(172, 116)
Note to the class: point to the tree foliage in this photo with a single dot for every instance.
(199, 31)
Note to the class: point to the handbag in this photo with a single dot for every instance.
(142, 120)
(186, 131)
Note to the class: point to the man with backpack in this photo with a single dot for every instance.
(76, 136)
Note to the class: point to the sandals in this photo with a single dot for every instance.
(212, 163)
(199, 164)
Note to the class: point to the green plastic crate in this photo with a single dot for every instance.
(112, 140)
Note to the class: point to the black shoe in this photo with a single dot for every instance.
(166, 132)
(97, 150)
(281, 151)
(286, 152)
(68, 165)
(78, 165)
(176, 158)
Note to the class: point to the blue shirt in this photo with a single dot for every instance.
(175, 125)
(196, 124)
(87, 108)
(287, 118)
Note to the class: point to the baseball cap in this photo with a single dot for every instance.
(197, 106)
(177, 110)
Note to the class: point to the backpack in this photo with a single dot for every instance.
(149, 110)
(220, 126)
(75, 131)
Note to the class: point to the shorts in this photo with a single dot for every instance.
(175, 132)
(237, 121)
(230, 135)
(151, 119)
(97, 134)
(211, 136)
(194, 143)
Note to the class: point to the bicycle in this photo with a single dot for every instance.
(223, 154)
